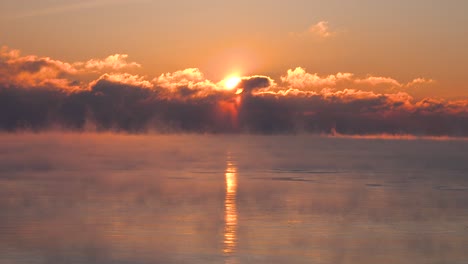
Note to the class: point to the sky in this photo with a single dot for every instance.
(373, 49)
(399, 39)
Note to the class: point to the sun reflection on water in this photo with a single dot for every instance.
(230, 211)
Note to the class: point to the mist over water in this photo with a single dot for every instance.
(114, 198)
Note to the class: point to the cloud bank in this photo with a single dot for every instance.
(40, 93)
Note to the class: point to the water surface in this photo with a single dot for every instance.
(106, 198)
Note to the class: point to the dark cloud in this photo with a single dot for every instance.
(110, 106)
(250, 84)
(33, 66)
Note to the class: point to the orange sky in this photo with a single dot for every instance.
(399, 40)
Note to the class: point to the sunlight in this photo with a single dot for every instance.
(232, 82)
(239, 91)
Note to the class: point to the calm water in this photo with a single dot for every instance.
(90, 198)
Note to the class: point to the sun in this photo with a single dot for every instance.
(232, 82)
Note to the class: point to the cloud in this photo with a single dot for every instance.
(300, 79)
(372, 80)
(190, 77)
(252, 83)
(125, 78)
(113, 62)
(7, 53)
(321, 29)
(419, 82)
(119, 106)
(186, 83)
(40, 93)
(33, 71)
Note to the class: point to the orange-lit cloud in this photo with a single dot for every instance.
(372, 80)
(299, 78)
(186, 83)
(125, 78)
(420, 82)
(191, 78)
(33, 71)
(112, 62)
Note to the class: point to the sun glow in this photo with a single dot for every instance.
(232, 82)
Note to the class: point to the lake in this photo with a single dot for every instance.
(115, 198)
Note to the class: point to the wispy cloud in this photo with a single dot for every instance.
(114, 62)
(69, 7)
(320, 30)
